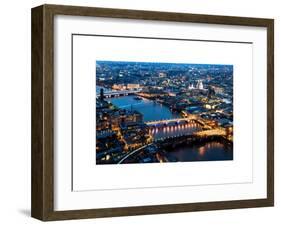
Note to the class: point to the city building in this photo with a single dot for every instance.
(133, 86)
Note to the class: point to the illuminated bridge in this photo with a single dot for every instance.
(189, 125)
(117, 93)
(171, 128)
(169, 121)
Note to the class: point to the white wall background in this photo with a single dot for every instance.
(15, 112)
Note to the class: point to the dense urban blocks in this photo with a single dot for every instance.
(149, 112)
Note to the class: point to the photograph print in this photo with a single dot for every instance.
(153, 112)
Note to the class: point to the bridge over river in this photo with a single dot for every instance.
(118, 93)
(170, 128)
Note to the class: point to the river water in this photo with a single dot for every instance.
(150, 110)
(209, 151)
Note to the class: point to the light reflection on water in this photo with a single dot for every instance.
(175, 130)
(210, 151)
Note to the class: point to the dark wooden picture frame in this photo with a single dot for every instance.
(42, 203)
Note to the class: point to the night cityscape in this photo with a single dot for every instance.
(149, 112)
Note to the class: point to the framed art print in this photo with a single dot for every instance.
(141, 112)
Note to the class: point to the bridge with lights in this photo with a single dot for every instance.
(166, 122)
(187, 119)
(188, 125)
(117, 93)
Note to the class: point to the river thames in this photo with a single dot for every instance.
(150, 110)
